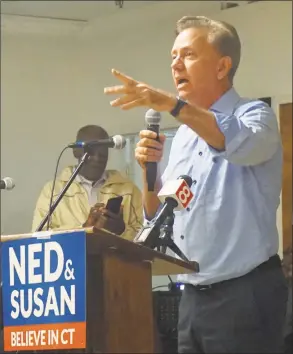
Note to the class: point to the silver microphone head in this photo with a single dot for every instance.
(153, 117)
(119, 142)
(9, 183)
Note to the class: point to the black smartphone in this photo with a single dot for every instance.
(114, 204)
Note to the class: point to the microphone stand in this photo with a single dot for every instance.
(165, 240)
(84, 158)
(150, 235)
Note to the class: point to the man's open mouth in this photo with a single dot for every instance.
(182, 82)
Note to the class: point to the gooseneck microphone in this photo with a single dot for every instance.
(7, 183)
(116, 142)
(153, 120)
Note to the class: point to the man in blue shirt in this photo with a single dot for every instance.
(231, 148)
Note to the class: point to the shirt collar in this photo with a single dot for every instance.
(83, 180)
(227, 102)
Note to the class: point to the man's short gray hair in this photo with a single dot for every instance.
(221, 34)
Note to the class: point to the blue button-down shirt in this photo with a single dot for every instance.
(231, 226)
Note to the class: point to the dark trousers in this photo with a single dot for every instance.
(242, 315)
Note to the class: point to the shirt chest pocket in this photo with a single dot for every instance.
(203, 165)
(202, 162)
(181, 155)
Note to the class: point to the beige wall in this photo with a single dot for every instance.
(52, 83)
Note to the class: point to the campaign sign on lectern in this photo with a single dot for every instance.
(44, 292)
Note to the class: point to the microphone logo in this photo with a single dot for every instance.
(184, 194)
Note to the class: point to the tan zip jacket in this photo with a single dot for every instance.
(74, 208)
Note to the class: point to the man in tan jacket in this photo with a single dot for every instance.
(90, 191)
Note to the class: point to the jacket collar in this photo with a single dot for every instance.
(112, 176)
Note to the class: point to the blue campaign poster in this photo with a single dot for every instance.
(44, 292)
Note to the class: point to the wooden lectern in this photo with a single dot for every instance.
(119, 291)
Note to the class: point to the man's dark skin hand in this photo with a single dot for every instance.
(102, 218)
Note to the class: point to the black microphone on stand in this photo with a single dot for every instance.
(115, 142)
(153, 119)
(174, 195)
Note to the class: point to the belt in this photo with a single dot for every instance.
(272, 263)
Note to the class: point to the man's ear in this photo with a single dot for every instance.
(225, 65)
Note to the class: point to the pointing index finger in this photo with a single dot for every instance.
(124, 78)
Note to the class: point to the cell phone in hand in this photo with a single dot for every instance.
(114, 204)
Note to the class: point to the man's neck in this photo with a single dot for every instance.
(90, 181)
(208, 100)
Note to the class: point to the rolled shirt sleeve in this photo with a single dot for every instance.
(251, 138)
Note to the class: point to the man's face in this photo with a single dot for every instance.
(95, 166)
(197, 67)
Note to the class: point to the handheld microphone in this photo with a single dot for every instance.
(153, 119)
(177, 191)
(7, 183)
(115, 142)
